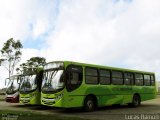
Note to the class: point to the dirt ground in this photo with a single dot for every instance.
(148, 109)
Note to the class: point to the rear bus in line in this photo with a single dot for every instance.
(12, 88)
(30, 89)
(70, 84)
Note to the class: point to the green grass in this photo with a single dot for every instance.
(2, 97)
(18, 115)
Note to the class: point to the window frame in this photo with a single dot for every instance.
(147, 79)
(131, 80)
(152, 80)
(117, 77)
(91, 75)
(68, 71)
(137, 79)
(104, 76)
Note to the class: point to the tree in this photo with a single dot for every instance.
(32, 63)
(36, 61)
(11, 54)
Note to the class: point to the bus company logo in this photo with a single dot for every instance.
(9, 117)
(142, 117)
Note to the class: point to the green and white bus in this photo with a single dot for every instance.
(70, 84)
(30, 89)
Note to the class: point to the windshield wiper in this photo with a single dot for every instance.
(52, 75)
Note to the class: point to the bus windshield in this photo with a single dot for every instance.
(12, 86)
(53, 81)
(29, 83)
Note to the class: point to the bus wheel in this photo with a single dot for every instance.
(136, 101)
(89, 104)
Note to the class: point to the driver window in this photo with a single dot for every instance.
(74, 77)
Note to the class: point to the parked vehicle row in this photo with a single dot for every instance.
(69, 84)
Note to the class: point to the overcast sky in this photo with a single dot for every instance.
(119, 33)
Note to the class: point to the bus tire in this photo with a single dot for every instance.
(136, 101)
(89, 104)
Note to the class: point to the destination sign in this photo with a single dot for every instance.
(53, 65)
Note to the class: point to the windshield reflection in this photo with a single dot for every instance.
(29, 83)
(53, 81)
(13, 85)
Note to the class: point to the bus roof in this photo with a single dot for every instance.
(103, 67)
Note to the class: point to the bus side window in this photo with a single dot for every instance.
(73, 77)
(104, 77)
(147, 80)
(128, 78)
(117, 78)
(91, 75)
(139, 79)
(152, 80)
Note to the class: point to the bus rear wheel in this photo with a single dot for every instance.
(89, 104)
(136, 101)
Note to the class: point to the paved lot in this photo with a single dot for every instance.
(148, 109)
